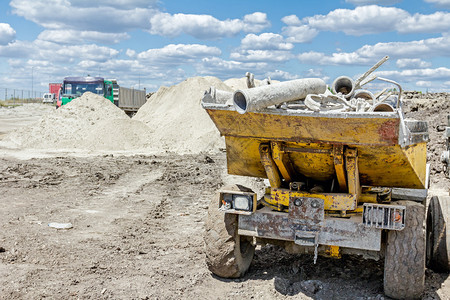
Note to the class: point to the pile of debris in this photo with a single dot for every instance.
(311, 94)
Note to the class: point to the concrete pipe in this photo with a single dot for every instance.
(385, 107)
(343, 85)
(214, 95)
(388, 104)
(364, 94)
(264, 96)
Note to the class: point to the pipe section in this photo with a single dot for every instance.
(386, 107)
(343, 85)
(214, 95)
(254, 99)
(364, 94)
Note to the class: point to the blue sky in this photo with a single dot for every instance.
(152, 43)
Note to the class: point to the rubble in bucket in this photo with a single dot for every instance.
(310, 94)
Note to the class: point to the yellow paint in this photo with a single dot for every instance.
(389, 166)
(351, 161)
(339, 167)
(348, 130)
(333, 251)
(368, 198)
(372, 155)
(269, 166)
(332, 201)
(282, 161)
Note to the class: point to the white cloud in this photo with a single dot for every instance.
(265, 41)
(38, 63)
(7, 33)
(291, 20)
(414, 49)
(178, 54)
(368, 2)
(418, 23)
(66, 15)
(440, 3)
(363, 20)
(314, 73)
(261, 55)
(266, 47)
(281, 75)
(122, 4)
(256, 22)
(319, 58)
(299, 34)
(92, 51)
(18, 49)
(216, 66)
(414, 75)
(43, 50)
(74, 36)
(205, 26)
(359, 21)
(87, 64)
(370, 54)
(130, 53)
(412, 63)
(423, 83)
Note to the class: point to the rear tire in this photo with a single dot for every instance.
(404, 267)
(438, 234)
(228, 254)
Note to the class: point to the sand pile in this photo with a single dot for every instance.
(171, 121)
(178, 121)
(89, 122)
(119, 134)
(26, 110)
(239, 83)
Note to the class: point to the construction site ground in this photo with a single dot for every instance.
(138, 221)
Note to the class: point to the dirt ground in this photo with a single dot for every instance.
(137, 232)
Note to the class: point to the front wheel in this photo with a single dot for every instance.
(404, 267)
(438, 233)
(228, 254)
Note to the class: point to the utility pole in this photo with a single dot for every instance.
(32, 82)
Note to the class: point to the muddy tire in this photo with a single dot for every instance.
(228, 255)
(404, 267)
(438, 234)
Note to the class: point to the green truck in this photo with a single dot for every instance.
(129, 100)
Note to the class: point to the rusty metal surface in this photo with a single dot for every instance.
(339, 167)
(282, 161)
(389, 166)
(351, 161)
(350, 232)
(332, 201)
(307, 150)
(306, 212)
(269, 165)
(268, 224)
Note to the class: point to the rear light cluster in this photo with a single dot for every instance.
(391, 217)
(237, 202)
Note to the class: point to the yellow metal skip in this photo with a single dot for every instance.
(357, 150)
(389, 166)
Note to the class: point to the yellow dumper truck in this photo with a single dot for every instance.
(345, 173)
